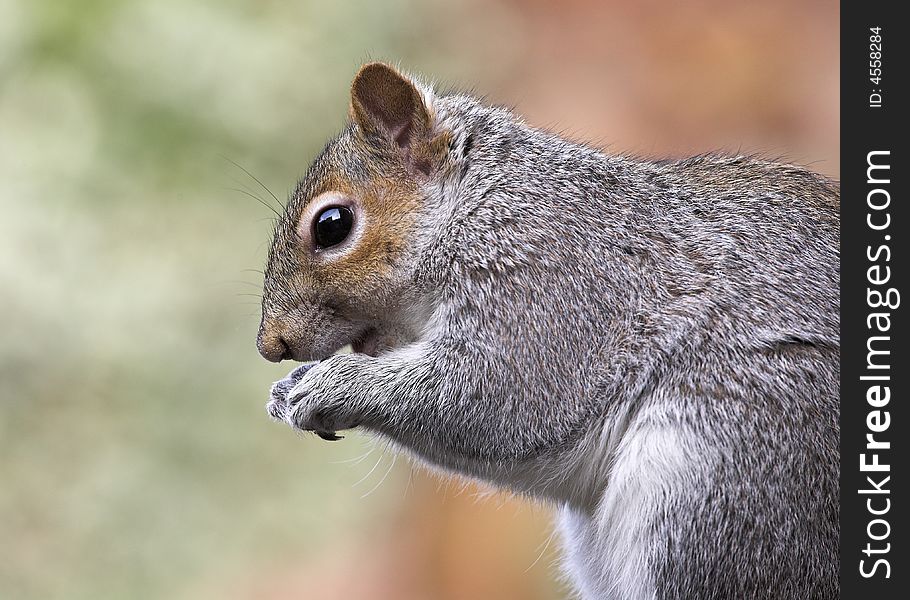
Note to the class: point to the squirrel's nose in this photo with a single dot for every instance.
(274, 348)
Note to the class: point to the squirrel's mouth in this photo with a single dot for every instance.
(367, 343)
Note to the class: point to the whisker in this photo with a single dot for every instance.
(384, 477)
(356, 460)
(407, 486)
(362, 479)
(256, 179)
(542, 552)
(233, 281)
(256, 198)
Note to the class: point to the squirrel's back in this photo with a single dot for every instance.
(732, 250)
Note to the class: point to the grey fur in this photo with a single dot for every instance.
(565, 318)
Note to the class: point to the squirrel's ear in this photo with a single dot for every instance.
(385, 102)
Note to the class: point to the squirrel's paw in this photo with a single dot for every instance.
(277, 406)
(318, 401)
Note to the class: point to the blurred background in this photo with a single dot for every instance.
(136, 459)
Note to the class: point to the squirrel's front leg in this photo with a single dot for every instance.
(455, 406)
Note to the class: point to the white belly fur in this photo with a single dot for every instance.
(609, 549)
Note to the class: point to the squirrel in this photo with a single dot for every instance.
(651, 346)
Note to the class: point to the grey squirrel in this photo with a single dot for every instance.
(652, 346)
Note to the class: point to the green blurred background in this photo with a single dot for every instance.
(136, 459)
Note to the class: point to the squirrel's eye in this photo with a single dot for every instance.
(332, 226)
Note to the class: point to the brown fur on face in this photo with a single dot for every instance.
(317, 300)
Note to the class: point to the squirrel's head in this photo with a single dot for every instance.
(342, 262)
